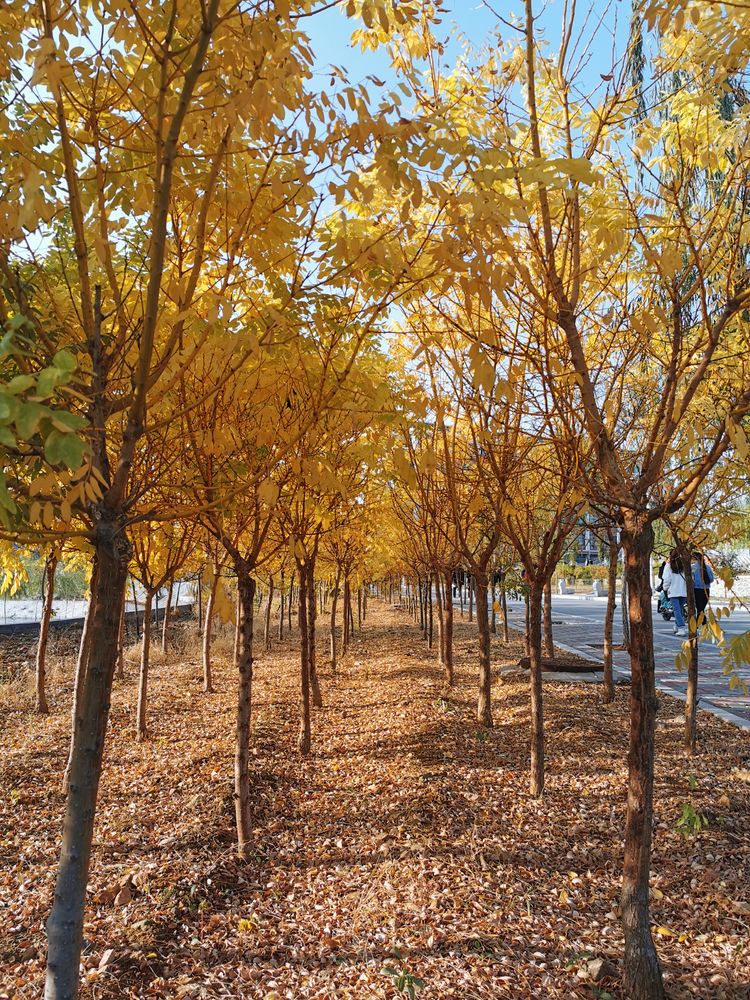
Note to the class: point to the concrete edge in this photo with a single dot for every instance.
(624, 676)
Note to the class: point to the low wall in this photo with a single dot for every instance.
(31, 628)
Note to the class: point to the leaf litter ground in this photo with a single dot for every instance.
(406, 841)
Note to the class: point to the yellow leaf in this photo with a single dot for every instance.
(268, 492)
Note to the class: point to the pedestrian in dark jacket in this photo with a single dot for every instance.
(702, 580)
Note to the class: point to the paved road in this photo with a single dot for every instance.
(579, 625)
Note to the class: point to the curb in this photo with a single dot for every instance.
(623, 676)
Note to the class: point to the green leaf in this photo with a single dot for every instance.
(5, 500)
(20, 383)
(8, 406)
(64, 421)
(48, 379)
(65, 361)
(64, 448)
(7, 437)
(28, 419)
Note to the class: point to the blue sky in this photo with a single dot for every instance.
(330, 32)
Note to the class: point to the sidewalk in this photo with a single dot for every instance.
(581, 634)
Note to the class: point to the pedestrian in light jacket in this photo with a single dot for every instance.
(676, 588)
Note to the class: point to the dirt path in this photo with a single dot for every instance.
(406, 840)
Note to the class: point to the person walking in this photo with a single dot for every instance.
(702, 580)
(676, 588)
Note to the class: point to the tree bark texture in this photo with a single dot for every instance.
(238, 625)
(484, 700)
(50, 565)
(304, 738)
(441, 619)
(549, 641)
(691, 700)
(120, 672)
(536, 776)
(135, 611)
(527, 639)
(312, 608)
(345, 629)
(643, 979)
(80, 675)
(609, 617)
(242, 809)
(267, 624)
(430, 613)
(65, 924)
(504, 606)
(208, 676)
(167, 617)
(448, 634)
(143, 675)
(334, 605)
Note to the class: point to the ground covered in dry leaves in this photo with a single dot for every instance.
(407, 841)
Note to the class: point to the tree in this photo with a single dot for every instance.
(104, 301)
(541, 508)
(159, 551)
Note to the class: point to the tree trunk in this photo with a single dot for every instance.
(359, 608)
(472, 587)
(609, 616)
(200, 604)
(536, 778)
(448, 635)
(441, 620)
(304, 739)
(691, 700)
(282, 597)
(334, 603)
(484, 701)
(120, 673)
(238, 625)
(643, 980)
(81, 665)
(289, 603)
(65, 924)
(345, 630)
(625, 607)
(135, 608)
(165, 623)
(493, 607)
(267, 625)
(312, 608)
(429, 611)
(208, 677)
(242, 810)
(504, 606)
(50, 565)
(528, 624)
(143, 676)
(549, 642)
